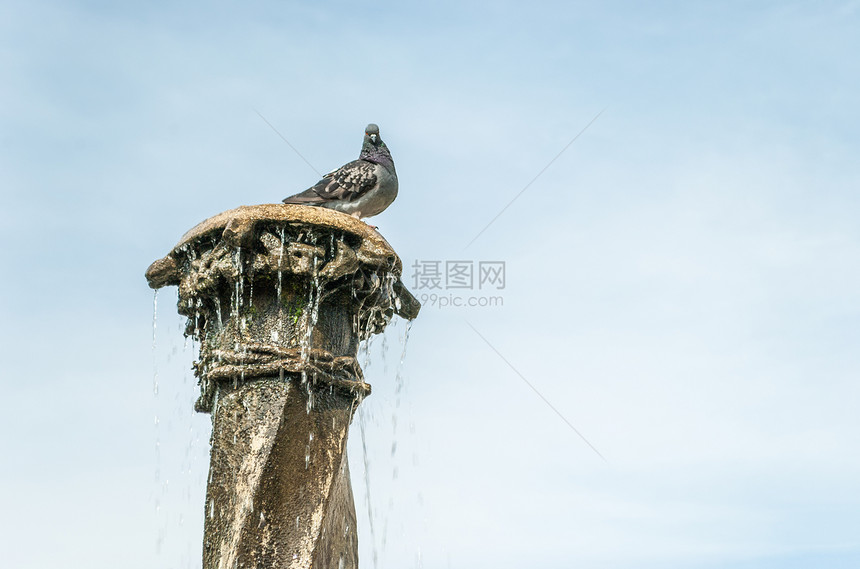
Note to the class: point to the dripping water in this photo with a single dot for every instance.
(241, 324)
(371, 351)
(310, 320)
(281, 267)
(279, 329)
(154, 342)
(398, 392)
(366, 462)
(218, 311)
(174, 491)
(160, 535)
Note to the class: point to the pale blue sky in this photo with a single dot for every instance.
(682, 283)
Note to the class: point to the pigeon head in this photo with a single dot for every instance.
(374, 150)
(372, 132)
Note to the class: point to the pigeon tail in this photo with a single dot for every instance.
(308, 196)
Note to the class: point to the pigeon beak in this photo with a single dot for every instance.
(373, 138)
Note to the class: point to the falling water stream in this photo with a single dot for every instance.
(181, 445)
(379, 418)
(157, 497)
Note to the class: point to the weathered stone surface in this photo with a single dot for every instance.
(278, 297)
(279, 493)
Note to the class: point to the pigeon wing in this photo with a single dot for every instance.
(347, 183)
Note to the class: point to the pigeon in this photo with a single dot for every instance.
(361, 188)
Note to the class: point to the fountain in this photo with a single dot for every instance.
(278, 298)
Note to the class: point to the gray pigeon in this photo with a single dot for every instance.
(362, 188)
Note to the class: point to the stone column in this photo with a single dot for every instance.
(279, 297)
